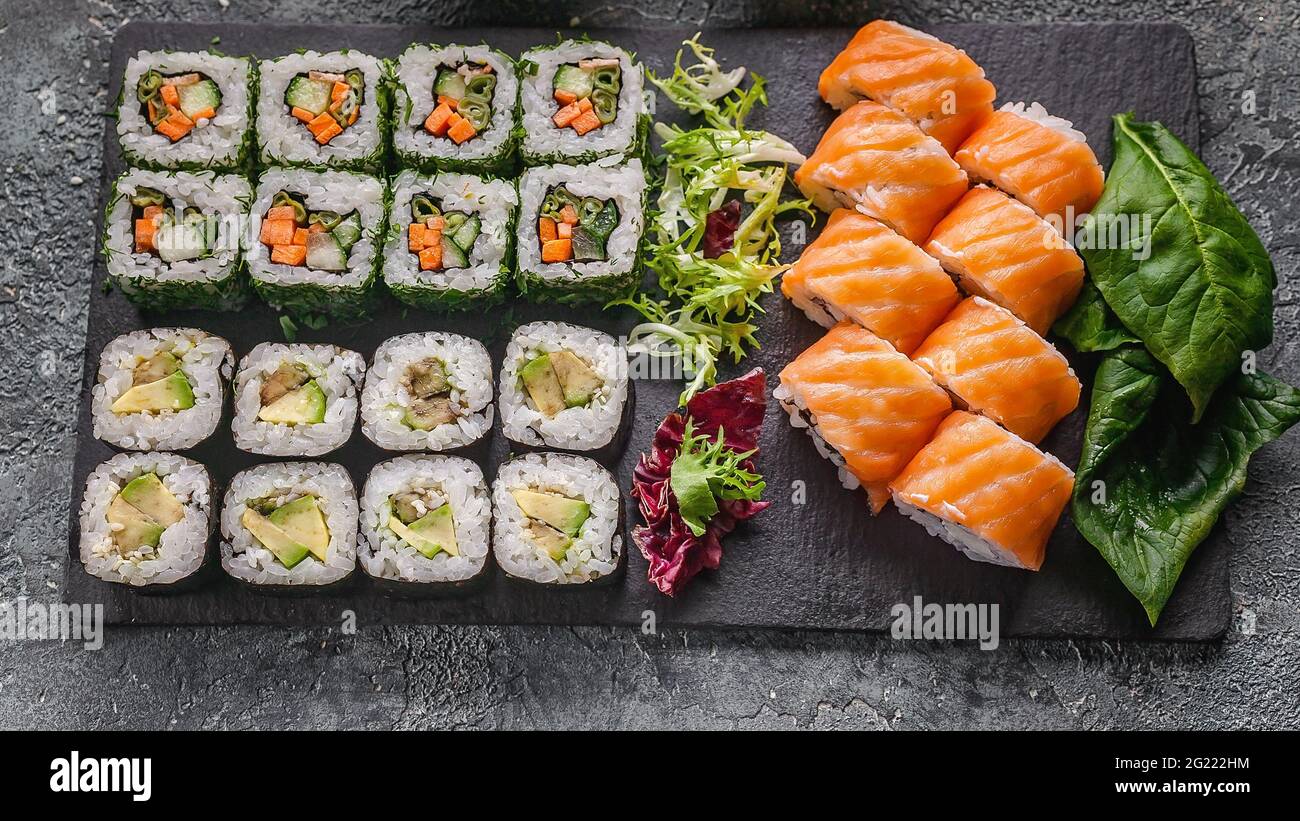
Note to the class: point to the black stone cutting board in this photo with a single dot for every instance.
(820, 564)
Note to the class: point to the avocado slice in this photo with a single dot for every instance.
(576, 377)
(543, 385)
(435, 531)
(169, 393)
(286, 550)
(427, 414)
(560, 512)
(147, 494)
(302, 521)
(300, 406)
(136, 530)
(548, 540)
(163, 363)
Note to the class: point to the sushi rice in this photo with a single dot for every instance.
(491, 150)
(205, 361)
(245, 558)
(484, 280)
(338, 373)
(585, 428)
(302, 290)
(210, 279)
(597, 549)
(387, 397)
(285, 141)
(543, 142)
(182, 545)
(223, 142)
(454, 481)
(576, 282)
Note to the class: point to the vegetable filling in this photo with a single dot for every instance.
(159, 230)
(430, 389)
(291, 396)
(441, 240)
(139, 514)
(559, 380)
(321, 240)
(176, 104)
(292, 531)
(553, 520)
(157, 384)
(575, 229)
(422, 517)
(464, 95)
(325, 102)
(587, 94)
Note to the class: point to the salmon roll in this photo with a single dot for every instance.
(1041, 160)
(867, 407)
(933, 84)
(876, 160)
(1000, 249)
(993, 364)
(860, 270)
(985, 491)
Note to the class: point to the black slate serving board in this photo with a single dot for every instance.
(820, 564)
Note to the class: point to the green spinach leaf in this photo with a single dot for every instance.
(1180, 266)
(1151, 485)
(1091, 325)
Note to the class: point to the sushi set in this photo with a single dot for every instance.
(460, 443)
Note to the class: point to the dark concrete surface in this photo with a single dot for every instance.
(53, 88)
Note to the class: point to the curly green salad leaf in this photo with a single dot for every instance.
(1204, 293)
(1174, 419)
(705, 471)
(1150, 484)
(710, 304)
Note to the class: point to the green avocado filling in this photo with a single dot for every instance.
(422, 519)
(157, 384)
(554, 520)
(559, 380)
(291, 531)
(140, 513)
(290, 396)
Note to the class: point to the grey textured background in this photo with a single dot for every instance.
(54, 93)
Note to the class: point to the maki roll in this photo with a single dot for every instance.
(558, 520)
(146, 519)
(867, 407)
(451, 240)
(317, 241)
(428, 391)
(174, 240)
(290, 525)
(992, 363)
(985, 491)
(1041, 160)
(425, 522)
(565, 387)
(186, 110)
(161, 389)
(457, 107)
(579, 232)
(580, 101)
(296, 400)
(998, 248)
(879, 162)
(858, 269)
(322, 110)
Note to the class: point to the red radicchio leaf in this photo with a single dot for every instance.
(720, 229)
(674, 553)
